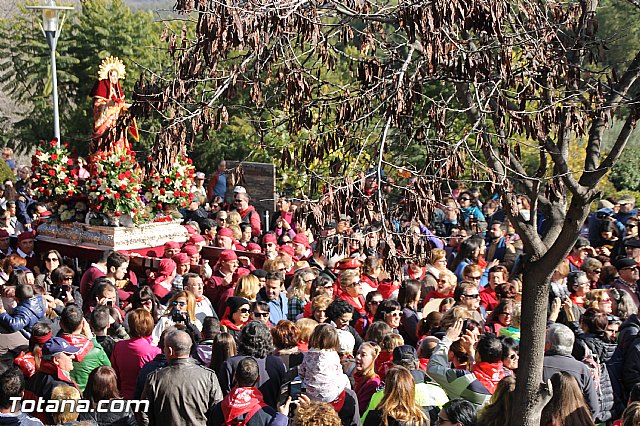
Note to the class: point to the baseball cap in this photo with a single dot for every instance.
(625, 262)
(404, 353)
(239, 190)
(57, 345)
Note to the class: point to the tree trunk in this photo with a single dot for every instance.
(528, 403)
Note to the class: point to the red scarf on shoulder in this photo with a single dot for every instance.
(240, 401)
(489, 374)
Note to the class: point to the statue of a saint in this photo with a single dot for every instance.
(108, 106)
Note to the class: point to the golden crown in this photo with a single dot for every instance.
(108, 64)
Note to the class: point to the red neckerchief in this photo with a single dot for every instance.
(574, 300)
(352, 301)
(240, 401)
(413, 275)
(373, 282)
(81, 342)
(575, 262)
(489, 374)
(338, 403)
(230, 324)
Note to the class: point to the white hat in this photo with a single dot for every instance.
(347, 341)
(200, 175)
(239, 190)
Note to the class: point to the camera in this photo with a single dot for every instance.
(60, 292)
(178, 316)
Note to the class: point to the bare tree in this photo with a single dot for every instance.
(474, 83)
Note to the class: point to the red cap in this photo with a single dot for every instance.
(253, 246)
(190, 250)
(26, 236)
(190, 229)
(4, 233)
(172, 245)
(348, 263)
(195, 238)
(269, 238)
(181, 258)
(166, 267)
(227, 255)
(287, 250)
(225, 232)
(301, 239)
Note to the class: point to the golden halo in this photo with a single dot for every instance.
(108, 64)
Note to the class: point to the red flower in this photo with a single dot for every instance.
(69, 162)
(118, 214)
(159, 205)
(190, 161)
(54, 157)
(52, 172)
(38, 152)
(101, 198)
(167, 180)
(123, 187)
(121, 176)
(70, 192)
(98, 207)
(162, 191)
(128, 195)
(66, 181)
(127, 173)
(117, 195)
(178, 174)
(54, 142)
(118, 164)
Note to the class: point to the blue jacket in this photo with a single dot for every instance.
(278, 309)
(25, 315)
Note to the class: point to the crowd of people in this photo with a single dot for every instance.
(281, 329)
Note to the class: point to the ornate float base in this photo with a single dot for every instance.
(111, 238)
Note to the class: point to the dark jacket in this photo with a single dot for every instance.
(25, 315)
(409, 326)
(374, 418)
(41, 385)
(628, 332)
(110, 419)
(272, 371)
(21, 419)
(555, 363)
(601, 353)
(181, 393)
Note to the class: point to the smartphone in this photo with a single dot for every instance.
(295, 389)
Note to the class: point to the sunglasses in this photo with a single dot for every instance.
(375, 302)
(597, 271)
(244, 310)
(472, 296)
(52, 259)
(67, 278)
(465, 199)
(261, 314)
(474, 277)
(394, 314)
(631, 225)
(181, 304)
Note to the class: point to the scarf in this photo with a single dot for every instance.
(489, 374)
(79, 341)
(240, 401)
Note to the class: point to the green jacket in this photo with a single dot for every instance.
(90, 357)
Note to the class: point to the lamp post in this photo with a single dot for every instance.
(51, 31)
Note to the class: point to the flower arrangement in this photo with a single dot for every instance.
(73, 210)
(115, 185)
(52, 167)
(172, 188)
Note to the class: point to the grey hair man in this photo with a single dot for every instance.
(183, 392)
(557, 357)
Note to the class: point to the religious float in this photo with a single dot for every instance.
(113, 203)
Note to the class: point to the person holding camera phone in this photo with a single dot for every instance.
(181, 309)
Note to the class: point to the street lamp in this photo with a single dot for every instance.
(51, 31)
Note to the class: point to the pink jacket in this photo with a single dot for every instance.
(127, 359)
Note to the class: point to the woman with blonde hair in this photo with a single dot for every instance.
(436, 263)
(180, 309)
(567, 406)
(599, 300)
(398, 403)
(365, 377)
(248, 287)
